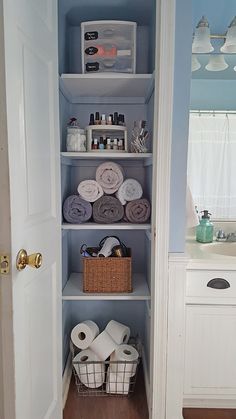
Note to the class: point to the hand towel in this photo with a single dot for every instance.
(110, 176)
(192, 219)
(107, 209)
(76, 210)
(138, 211)
(129, 191)
(90, 190)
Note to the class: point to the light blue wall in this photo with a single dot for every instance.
(182, 80)
(213, 94)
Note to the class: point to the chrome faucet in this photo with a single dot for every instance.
(231, 237)
(221, 236)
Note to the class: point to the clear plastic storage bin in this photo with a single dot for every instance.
(108, 46)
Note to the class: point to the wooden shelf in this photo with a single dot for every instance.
(115, 226)
(74, 290)
(71, 158)
(107, 88)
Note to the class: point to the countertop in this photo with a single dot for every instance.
(201, 258)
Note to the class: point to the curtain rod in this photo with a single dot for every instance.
(212, 112)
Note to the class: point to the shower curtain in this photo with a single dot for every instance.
(212, 163)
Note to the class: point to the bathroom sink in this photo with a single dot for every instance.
(221, 248)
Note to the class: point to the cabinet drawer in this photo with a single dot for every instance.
(211, 284)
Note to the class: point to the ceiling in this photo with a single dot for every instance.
(78, 11)
(219, 14)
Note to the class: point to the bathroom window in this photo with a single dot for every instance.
(212, 162)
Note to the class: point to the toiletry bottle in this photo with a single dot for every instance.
(120, 145)
(95, 144)
(204, 231)
(115, 144)
(121, 120)
(108, 144)
(101, 144)
(91, 120)
(115, 120)
(109, 120)
(103, 119)
(97, 119)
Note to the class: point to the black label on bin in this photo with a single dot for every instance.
(92, 66)
(89, 36)
(91, 50)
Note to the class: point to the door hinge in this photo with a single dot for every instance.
(4, 264)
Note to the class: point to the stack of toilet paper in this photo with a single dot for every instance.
(96, 348)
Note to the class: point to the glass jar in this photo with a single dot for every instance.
(76, 139)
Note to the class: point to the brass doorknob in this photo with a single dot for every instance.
(22, 259)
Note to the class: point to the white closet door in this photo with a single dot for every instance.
(30, 29)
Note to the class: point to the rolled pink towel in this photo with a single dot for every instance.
(138, 211)
(110, 176)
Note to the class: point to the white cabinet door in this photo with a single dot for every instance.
(30, 33)
(210, 367)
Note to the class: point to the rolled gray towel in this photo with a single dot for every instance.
(76, 210)
(138, 211)
(110, 176)
(107, 209)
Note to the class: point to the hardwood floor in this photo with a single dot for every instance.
(209, 413)
(134, 407)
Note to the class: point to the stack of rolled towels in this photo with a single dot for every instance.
(96, 348)
(108, 199)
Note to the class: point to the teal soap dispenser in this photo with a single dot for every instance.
(204, 231)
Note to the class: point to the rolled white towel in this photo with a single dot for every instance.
(90, 190)
(129, 191)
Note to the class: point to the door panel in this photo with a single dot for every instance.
(30, 29)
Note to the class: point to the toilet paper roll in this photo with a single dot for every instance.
(90, 374)
(127, 356)
(103, 345)
(118, 331)
(117, 384)
(84, 333)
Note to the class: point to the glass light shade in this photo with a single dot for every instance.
(201, 40)
(217, 63)
(230, 42)
(195, 63)
(235, 68)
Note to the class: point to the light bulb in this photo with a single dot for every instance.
(216, 63)
(201, 40)
(230, 42)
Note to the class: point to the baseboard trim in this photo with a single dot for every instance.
(66, 379)
(146, 380)
(210, 403)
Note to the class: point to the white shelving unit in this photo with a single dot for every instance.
(107, 87)
(115, 226)
(74, 290)
(70, 158)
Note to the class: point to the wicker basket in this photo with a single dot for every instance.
(106, 275)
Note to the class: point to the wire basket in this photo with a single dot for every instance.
(106, 378)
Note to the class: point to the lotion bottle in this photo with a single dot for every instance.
(204, 231)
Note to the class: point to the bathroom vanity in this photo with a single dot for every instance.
(210, 320)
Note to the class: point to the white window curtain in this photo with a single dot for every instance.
(212, 163)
